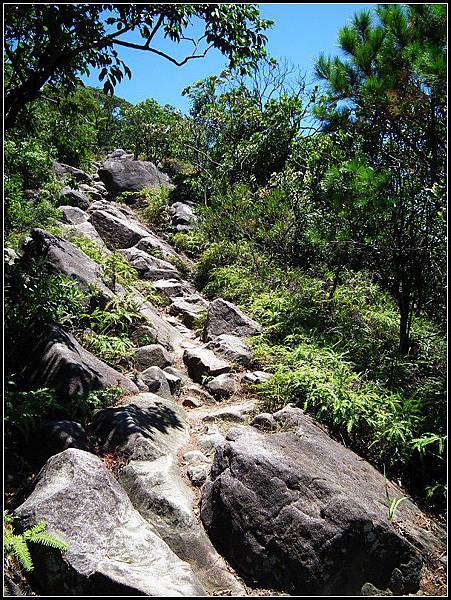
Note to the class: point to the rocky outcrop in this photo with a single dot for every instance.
(145, 429)
(57, 361)
(225, 317)
(301, 512)
(112, 549)
(64, 257)
(202, 362)
(122, 174)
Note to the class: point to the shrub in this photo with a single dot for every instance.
(156, 206)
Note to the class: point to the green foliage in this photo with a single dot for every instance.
(117, 269)
(156, 207)
(153, 131)
(191, 242)
(115, 351)
(119, 316)
(35, 34)
(34, 295)
(25, 410)
(15, 545)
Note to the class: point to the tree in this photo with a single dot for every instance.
(152, 130)
(52, 43)
(390, 91)
(244, 127)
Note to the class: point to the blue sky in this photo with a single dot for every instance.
(300, 33)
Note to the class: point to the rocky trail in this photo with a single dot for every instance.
(184, 487)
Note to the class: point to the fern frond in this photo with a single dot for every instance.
(19, 548)
(46, 539)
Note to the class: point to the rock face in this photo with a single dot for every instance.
(56, 360)
(112, 550)
(231, 348)
(121, 174)
(201, 361)
(64, 257)
(300, 512)
(145, 429)
(225, 317)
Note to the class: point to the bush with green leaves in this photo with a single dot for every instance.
(115, 351)
(34, 295)
(155, 210)
(15, 545)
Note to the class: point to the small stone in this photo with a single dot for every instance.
(198, 474)
(191, 402)
(263, 421)
(368, 589)
(257, 377)
(207, 442)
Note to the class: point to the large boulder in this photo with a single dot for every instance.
(202, 362)
(152, 355)
(157, 382)
(153, 243)
(190, 308)
(221, 386)
(162, 497)
(225, 317)
(302, 513)
(71, 197)
(64, 257)
(122, 174)
(231, 348)
(56, 360)
(145, 429)
(73, 215)
(117, 229)
(163, 332)
(148, 266)
(112, 549)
